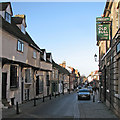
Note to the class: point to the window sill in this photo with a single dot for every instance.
(19, 51)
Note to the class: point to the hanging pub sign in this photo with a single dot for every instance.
(102, 31)
(102, 19)
(102, 28)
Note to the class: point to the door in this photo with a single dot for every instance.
(22, 87)
(37, 85)
(4, 85)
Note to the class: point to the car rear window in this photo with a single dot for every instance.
(84, 91)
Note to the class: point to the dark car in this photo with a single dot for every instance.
(83, 94)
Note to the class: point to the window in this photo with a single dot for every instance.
(7, 17)
(118, 47)
(20, 46)
(119, 78)
(53, 73)
(56, 74)
(47, 80)
(40, 84)
(13, 77)
(22, 28)
(34, 54)
(27, 76)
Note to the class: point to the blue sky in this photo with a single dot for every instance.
(67, 29)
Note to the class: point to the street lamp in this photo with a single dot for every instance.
(95, 56)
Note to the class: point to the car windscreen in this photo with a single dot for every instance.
(84, 91)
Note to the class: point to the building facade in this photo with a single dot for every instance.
(109, 59)
(26, 69)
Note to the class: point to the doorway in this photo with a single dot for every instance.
(4, 85)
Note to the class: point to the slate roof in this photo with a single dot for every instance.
(17, 20)
(48, 55)
(60, 68)
(14, 30)
(3, 6)
(42, 51)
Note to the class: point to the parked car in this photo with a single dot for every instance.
(83, 94)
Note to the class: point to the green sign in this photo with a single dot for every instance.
(102, 19)
(102, 31)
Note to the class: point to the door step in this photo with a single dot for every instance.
(5, 104)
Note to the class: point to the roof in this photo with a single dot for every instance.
(60, 69)
(3, 6)
(42, 51)
(17, 20)
(14, 30)
(48, 55)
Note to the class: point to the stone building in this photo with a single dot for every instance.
(26, 69)
(109, 59)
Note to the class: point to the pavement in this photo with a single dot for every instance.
(63, 106)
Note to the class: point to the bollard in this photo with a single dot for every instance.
(59, 94)
(43, 98)
(50, 96)
(34, 101)
(55, 95)
(69, 91)
(93, 98)
(17, 108)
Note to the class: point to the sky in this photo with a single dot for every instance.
(66, 29)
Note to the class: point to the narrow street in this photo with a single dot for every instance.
(63, 106)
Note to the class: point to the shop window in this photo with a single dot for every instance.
(13, 76)
(27, 76)
(41, 84)
(47, 80)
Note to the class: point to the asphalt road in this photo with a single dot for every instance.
(65, 106)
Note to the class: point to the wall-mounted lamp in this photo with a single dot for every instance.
(95, 56)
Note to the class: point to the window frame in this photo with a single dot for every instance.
(34, 54)
(14, 79)
(20, 47)
(7, 17)
(118, 48)
(23, 28)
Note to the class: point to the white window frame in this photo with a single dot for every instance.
(22, 28)
(20, 46)
(7, 17)
(34, 54)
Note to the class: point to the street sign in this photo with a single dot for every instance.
(102, 19)
(102, 31)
